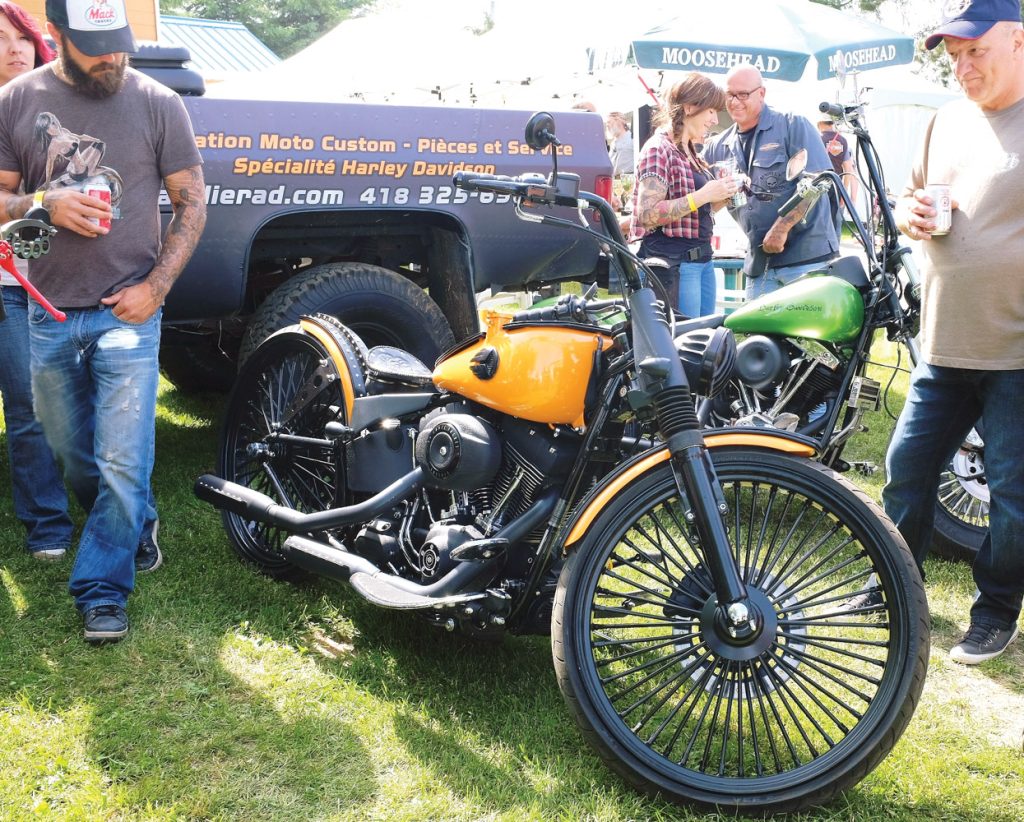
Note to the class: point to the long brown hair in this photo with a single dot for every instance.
(26, 25)
(693, 90)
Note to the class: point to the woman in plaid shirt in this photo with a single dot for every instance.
(677, 192)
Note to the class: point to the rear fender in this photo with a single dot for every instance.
(343, 353)
(615, 483)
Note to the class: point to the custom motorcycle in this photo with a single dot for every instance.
(805, 349)
(551, 476)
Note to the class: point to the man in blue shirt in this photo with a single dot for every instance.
(760, 142)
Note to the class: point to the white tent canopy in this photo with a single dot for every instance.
(457, 52)
(533, 54)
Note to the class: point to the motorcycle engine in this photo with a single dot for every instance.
(460, 452)
(775, 374)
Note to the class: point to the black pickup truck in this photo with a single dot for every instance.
(349, 209)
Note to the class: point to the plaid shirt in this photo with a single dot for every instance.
(661, 158)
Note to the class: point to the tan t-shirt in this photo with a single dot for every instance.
(973, 300)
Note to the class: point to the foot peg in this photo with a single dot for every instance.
(478, 550)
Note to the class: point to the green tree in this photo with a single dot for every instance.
(285, 26)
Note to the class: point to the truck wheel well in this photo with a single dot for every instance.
(428, 248)
(379, 305)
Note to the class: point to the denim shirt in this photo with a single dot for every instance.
(776, 138)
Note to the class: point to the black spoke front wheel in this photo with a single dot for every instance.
(778, 717)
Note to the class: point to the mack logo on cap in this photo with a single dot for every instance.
(93, 14)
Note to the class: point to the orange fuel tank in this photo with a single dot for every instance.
(537, 372)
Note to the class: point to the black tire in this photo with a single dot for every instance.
(382, 307)
(961, 507)
(288, 386)
(199, 368)
(681, 713)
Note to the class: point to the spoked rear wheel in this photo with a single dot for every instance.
(779, 720)
(961, 507)
(273, 439)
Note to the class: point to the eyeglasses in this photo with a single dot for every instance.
(759, 194)
(742, 96)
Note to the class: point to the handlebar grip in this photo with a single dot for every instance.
(472, 179)
(548, 312)
(465, 178)
(790, 204)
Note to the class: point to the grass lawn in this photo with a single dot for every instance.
(236, 697)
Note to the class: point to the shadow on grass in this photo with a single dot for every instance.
(168, 723)
(161, 722)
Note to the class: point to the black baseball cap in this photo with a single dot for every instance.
(95, 26)
(970, 19)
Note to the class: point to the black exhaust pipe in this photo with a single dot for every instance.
(390, 591)
(252, 505)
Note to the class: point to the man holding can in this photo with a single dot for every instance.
(760, 143)
(82, 126)
(972, 354)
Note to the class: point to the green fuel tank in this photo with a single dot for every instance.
(817, 307)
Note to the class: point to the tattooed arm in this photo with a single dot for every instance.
(775, 240)
(187, 193)
(653, 209)
(69, 208)
(12, 204)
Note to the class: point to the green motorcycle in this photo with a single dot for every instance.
(804, 350)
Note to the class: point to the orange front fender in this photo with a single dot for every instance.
(617, 482)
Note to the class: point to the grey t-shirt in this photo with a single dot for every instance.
(973, 298)
(56, 137)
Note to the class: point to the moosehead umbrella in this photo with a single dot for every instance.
(779, 37)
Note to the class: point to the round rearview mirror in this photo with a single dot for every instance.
(796, 165)
(540, 131)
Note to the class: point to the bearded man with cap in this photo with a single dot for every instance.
(84, 121)
(972, 353)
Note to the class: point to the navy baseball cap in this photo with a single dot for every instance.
(95, 26)
(970, 19)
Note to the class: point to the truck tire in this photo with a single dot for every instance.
(382, 307)
(198, 368)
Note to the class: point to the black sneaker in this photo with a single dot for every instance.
(981, 643)
(867, 600)
(148, 556)
(105, 623)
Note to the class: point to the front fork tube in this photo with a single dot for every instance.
(697, 482)
(659, 365)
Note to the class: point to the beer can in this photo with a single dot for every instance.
(939, 192)
(739, 199)
(101, 191)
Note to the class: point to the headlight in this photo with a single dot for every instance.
(709, 358)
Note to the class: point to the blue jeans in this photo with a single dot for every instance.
(942, 406)
(774, 278)
(95, 381)
(697, 289)
(40, 502)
